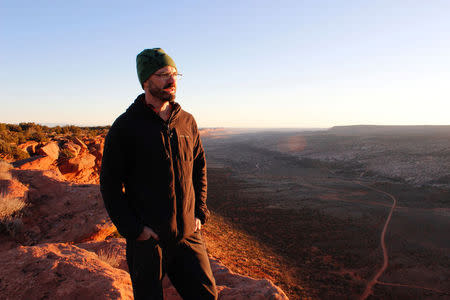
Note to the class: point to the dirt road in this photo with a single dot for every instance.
(383, 268)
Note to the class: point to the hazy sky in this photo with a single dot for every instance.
(245, 63)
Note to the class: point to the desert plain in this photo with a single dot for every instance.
(358, 212)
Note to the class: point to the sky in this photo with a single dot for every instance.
(269, 64)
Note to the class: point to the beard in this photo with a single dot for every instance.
(160, 93)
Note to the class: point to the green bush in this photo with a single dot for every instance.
(66, 154)
(12, 151)
(38, 136)
(14, 127)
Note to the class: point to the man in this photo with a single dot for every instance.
(153, 183)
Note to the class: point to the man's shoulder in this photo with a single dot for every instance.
(129, 115)
(185, 115)
(121, 121)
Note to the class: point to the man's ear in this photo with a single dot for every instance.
(145, 84)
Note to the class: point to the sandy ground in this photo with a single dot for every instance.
(322, 223)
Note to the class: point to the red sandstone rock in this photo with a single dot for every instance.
(79, 142)
(235, 286)
(73, 148)
(80, 169)
(96, 149)
(83, 161)
(35, 163)
(60, 271)
(51, 149)
(62, 212)
(29, 146)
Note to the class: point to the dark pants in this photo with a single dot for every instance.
(186, 264)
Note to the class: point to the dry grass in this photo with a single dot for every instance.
(10, 206)
(10, 209)
(109, 257)
(4, 170)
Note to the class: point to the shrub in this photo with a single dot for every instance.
(27, 126)
(12, 151)
(14, 127)
(19, 154)
(8, 136)
(18, 134)
(38, 136)
(5, 148)
(66, 154)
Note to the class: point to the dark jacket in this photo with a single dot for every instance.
(154, 173)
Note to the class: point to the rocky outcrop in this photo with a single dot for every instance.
(60, 271)
(62, 212)
(29, 147)
(235, 286)
(78, 160)
(88, 271)
(229, 285)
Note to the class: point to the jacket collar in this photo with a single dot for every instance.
(140, 107)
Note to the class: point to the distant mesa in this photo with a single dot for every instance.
(391, 129)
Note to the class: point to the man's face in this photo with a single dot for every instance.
(162, 84)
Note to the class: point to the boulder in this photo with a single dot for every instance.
(73, 148)
(83, 161)
(50, 149)
(41, 162)
(80, 169)
(60, 271)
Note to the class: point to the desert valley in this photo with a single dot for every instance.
(320, 202)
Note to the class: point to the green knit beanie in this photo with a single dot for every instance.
(151, 60)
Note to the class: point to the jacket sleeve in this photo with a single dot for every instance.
(111, 186)
(199, 178)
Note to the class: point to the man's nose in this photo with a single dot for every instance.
(172, 78)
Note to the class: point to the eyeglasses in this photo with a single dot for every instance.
(166, 76)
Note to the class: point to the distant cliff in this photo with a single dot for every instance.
(391, 129)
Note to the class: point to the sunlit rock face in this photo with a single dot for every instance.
(60, 271)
